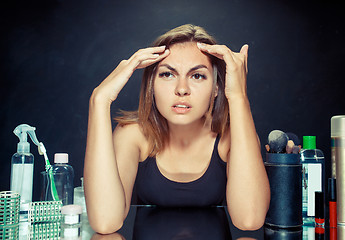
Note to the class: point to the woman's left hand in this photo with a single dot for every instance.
(236, 68)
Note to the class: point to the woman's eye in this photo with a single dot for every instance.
(198, 76)
(165, 75)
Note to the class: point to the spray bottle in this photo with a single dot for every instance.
(22, 167)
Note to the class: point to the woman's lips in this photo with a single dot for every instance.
(181, 108)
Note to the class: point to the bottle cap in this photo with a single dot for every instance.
(319, 208)
(61, 158)
(338, 126)
(309, 142)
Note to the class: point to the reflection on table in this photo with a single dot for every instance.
(150, 222)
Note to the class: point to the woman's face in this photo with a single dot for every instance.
(183, 84)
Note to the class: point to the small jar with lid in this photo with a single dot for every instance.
(71, 221)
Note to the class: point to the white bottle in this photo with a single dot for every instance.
(63, 176)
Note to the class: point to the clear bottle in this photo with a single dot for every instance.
(64, 177)
(79, 197)
(22, 170)
(313, 177)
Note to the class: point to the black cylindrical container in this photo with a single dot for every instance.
(285, 176)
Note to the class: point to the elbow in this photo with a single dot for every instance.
(249, 219)
(104, 227)
(249, 224)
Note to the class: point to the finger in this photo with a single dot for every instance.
(220, 51)
(151, 59)
(244, 51)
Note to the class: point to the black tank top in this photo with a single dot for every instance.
(153, 188)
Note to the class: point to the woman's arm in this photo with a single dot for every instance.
(248, 192)
(107, 195)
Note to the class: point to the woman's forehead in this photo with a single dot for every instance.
(186, 55)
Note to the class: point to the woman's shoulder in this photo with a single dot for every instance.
(131, 137)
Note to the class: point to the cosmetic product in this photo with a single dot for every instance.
(332, 199)
(79, 196)
(284, 175)
(338, 163)
(333, 233)
(313, 172)
(22, 169)
(319, 210)
(71, 221)
(63, 175)
(341, 232)
(277, 141)
(319, 233)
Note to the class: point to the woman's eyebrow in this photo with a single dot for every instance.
(191, 70)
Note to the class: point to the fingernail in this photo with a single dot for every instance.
(200, 45)
(155, 55)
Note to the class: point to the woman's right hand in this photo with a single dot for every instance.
(109, 89)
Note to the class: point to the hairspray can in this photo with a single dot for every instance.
(338, 155)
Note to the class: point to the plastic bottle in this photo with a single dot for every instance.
(63, 175)
(22, 169)
(313, 177)
(79, 197)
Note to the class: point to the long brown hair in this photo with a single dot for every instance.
(152, 123)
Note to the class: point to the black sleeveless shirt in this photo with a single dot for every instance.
(153, 188)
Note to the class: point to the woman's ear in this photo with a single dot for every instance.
(216, 91)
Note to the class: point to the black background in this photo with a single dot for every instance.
(55, 52)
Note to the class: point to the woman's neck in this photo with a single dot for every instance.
(182, 136)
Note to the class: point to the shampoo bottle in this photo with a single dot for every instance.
(22, 168)
(313, 175)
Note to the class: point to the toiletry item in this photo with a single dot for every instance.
(284, 175)
(319, 210)
(22, 169)
(79, 196)
(319, 233)
(63, 176)
(332, 200)
(338, 163)
(71, 214)
(71, 221)
(313, 175)
(333, 235)
(277, 141)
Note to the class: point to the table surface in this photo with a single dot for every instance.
(213, 223)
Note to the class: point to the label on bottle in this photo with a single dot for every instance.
(314, 185)
(21, 181)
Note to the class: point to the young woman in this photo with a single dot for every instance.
(192, 141)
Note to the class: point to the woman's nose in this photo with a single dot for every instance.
(182, 87)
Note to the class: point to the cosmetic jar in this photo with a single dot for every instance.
(285, 178)
(71, 214)
(71, 221)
